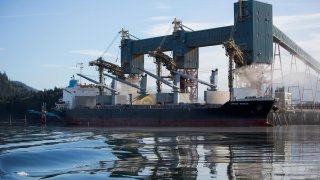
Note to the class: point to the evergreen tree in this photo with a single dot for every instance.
(17, 99)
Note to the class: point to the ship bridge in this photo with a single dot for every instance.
(253, 32)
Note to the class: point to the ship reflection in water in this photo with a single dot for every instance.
(198, 153)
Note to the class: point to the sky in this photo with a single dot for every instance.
(42, 41)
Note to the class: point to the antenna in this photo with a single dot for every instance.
(81, 68)
(176, 25)
(124, 33)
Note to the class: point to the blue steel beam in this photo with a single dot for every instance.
(208, 37)
(293, 48)
(183, 44)
(202, 38)
(216, 36)
(253, 32)
(143, 46)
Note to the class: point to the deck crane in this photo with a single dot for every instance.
(174, 86)
(110, 67)
(143, 84)
(213, 80)
(167, 61)
(235, 54)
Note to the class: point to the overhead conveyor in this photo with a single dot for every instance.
(284, 41)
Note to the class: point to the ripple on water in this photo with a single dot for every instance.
(48, 158)
(196, 153)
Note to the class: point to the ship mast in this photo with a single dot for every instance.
(81, 68)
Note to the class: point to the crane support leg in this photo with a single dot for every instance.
(159, 74)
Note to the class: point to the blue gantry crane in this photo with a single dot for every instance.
(253, 33)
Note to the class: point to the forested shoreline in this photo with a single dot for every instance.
(16, 98)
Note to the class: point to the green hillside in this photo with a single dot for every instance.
(16, 98)
(11, 88)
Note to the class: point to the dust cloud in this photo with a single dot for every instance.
(256, 76)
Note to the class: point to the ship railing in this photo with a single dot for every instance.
(157, 106)
(87, 85)
(61, 106)
(305, 106)
(254, 98)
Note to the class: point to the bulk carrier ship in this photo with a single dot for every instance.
(248, 42)
(101, 105)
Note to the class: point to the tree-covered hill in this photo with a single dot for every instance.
(16, 98)
(12, 88)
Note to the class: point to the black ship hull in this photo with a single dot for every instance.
(235, 113)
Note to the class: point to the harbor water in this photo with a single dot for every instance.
(35, 152)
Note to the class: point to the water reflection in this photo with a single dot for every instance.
(200, 153)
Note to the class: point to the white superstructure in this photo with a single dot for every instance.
(76, 94)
